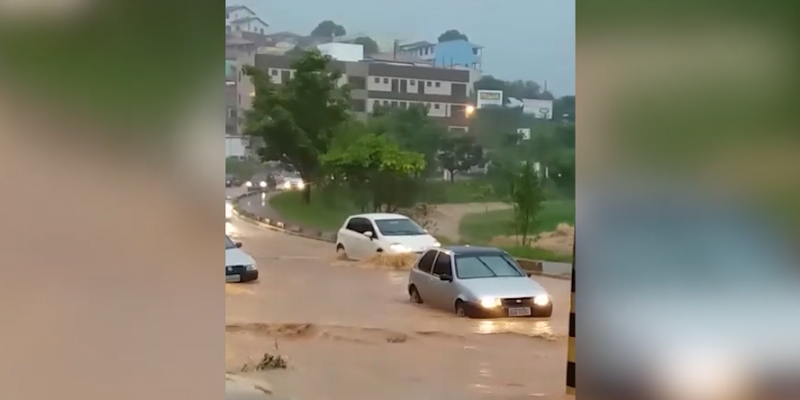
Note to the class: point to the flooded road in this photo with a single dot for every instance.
(349, 332)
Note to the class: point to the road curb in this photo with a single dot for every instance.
(535, 267)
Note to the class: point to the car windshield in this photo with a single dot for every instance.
(229, 243)
(399, 227)
(486, 266)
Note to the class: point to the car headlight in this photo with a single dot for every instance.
(541, 300)
(490, 302)
(287, 185)
(248, 183)
(262, 184)
(251, 267)
(437, 244)
(301, 185)
(399, 248)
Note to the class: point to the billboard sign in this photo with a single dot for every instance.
(542, 109)
(490, 98)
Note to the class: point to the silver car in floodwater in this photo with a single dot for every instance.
(476, 282)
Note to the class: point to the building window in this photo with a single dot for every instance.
(386, 102)
(359, 105)
(428, 83)
(385, 80)
(376, 103)
(436, 106)
(273, 72)
(403, 104)
(475, 51)
(231, 113)
(412, 82)
(377, 80)
(394, 104)
(438, 84)
(357, 82)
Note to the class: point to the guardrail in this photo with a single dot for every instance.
(533, 266)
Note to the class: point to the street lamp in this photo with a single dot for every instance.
(469, 110)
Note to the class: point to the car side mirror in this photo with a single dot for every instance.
(369, 234)
(238, 244)
(530, 274)
(445, 278)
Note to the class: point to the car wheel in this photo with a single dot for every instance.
(340, 252)
(413, 295)
(461, 311)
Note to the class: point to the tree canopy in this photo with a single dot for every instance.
(297, 120)
(328, 29)
(370, 45)
(379, 173)
(451, 35)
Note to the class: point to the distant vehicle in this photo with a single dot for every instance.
(232, 181)
(228, 211)
(289, 181)
(476, 282)
(257, 183)
(364, 235)
(239, 266)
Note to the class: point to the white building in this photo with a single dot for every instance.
(243, 19)
(347, 52)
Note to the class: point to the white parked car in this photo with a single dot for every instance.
(239, 266)
(363, 235)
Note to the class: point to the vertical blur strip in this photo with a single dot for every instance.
(571, 343)
(688, 197)
(109, 145)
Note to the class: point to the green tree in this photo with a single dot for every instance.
(297, 120)
(328, 29)
(379, 174)
(526, 196)
(412, 130)
(451, 35)
(458, 154)
(370, 46)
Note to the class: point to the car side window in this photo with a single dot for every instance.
(443, 265)
(425, 263)
(356, 225)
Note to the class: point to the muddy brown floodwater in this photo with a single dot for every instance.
(350, 333)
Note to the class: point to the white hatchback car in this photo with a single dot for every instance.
(363, 235)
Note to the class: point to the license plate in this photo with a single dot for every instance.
(233, 278)
(519, 311)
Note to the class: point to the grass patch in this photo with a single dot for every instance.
(535, 253)
(482, 227)
(326, 213)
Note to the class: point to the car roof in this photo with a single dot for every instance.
(379, 216)
(462, 250)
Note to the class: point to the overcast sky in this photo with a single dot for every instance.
(523, 39)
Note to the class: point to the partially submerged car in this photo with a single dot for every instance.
(239, 266)
(476, 282)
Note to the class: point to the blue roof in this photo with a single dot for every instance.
(455, 52)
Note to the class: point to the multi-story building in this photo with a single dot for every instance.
(457, 54)
(376, 83)
(243, 19)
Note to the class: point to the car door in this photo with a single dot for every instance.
(420, 276)
(359, 243)
(371, 246)
(444, 292)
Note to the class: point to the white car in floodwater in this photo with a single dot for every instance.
(364, 235)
